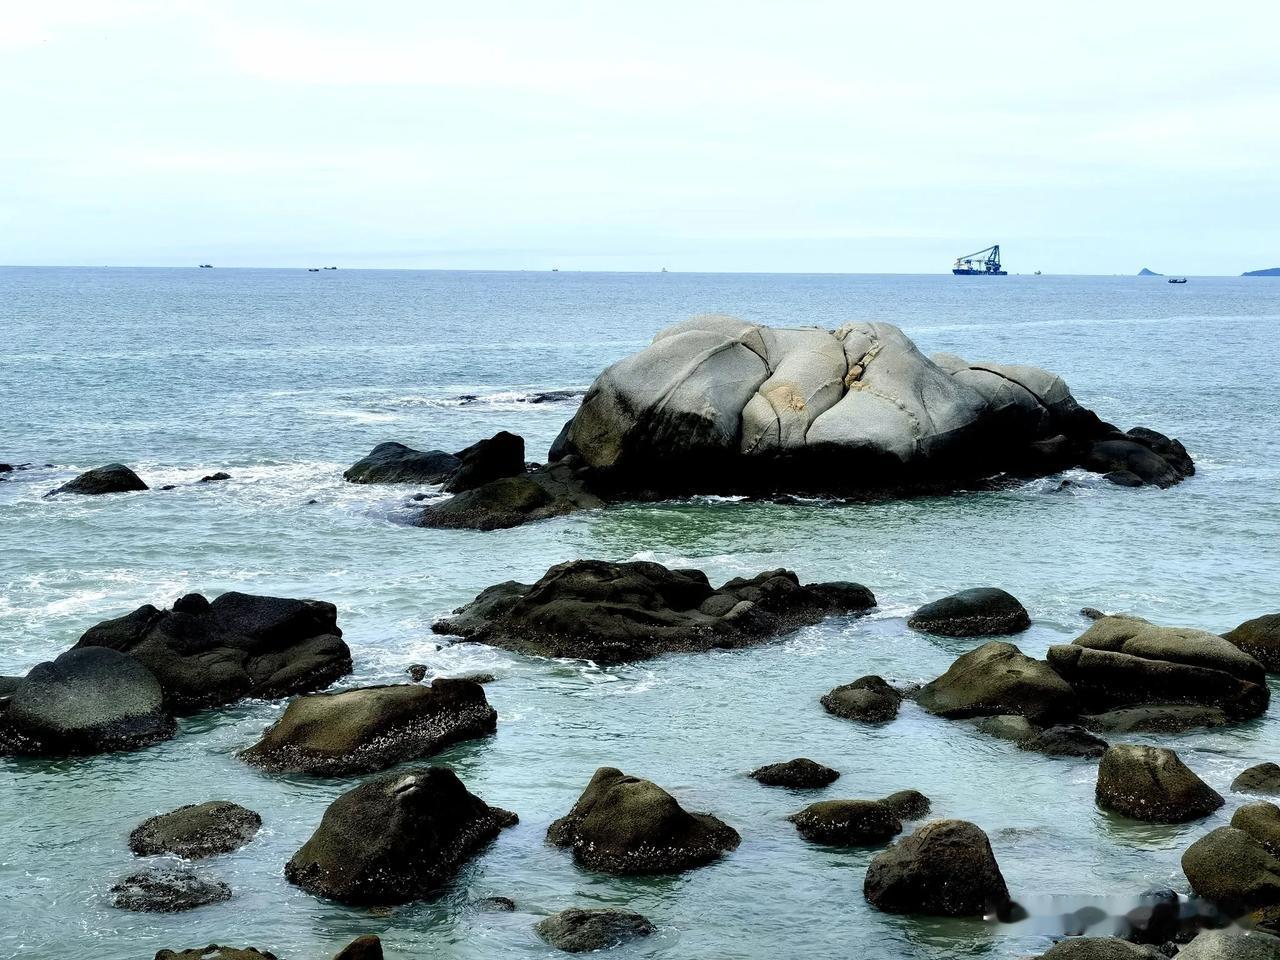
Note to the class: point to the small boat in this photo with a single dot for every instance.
(1177, 279)
(1037, 273)
(664, 270)
(313, 269)
(331, 268)
(555, 269)
(206, 266)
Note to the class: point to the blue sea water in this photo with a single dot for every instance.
(283, 378)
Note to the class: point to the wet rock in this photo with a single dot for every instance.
(1100, 948)
(869, 699)
(167, 890)
(847, 823)
(618, 612)
(1262, 822)
(209, 654)
(1231, 944)
(417, 672)
(1007, 727)
(998, 678)
(598, 928)
(1065, 740)
(1157, 918)
(215, 477)
(395, 463)
(1131, 463)
(1156, 718)
(372, 728)
(196, 831)
(84, 702)
(1231, 868)
(908, 804)
(980, 612)
(626, 825)
(1152, 784)
(945, 868)
(1091, 613)
(113, 478)
(1263, 778)
(216, 952)
(367, 947)
(395, 838)
(502, 455)
(1260, 639)
(799, 774)
(495, 904)
(1126, 661)
(550, 491)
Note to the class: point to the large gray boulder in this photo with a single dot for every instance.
(1260, 639)
(1125, 662)
(1152, 784)
(209, 654)
(618, 612)
(628, 825)
(393, 462)
(85, 701)
(395, 838)
(372, 728)
(998, 678)
(113, 478)
(944, 869)
(1233, 869)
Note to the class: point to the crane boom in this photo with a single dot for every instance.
(984, 262)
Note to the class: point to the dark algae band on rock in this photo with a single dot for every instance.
(620, 612)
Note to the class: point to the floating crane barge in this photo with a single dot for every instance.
(984, 263)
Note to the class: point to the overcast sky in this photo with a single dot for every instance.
(849, 137)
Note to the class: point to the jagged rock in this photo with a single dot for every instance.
(868, 698)
(83, 702)
(167, 890)
(998, 678)
(550, 491)
(1260, 639)
(395, 838)
(946, 868)
(1152, 784)
(372, 728)
(626, 825)
(216, 952)
(392, 462)
(209, 654)
(1231, 944)
(215, 477)
(618, 612)
(502, 455)
(598, 928)
(1156, 718)
(1233, 869)
(908, 804)
(1100, 948)
(847, 823)
(799, 774)
(1263, 778)
(196, 831)
(368, 947)
(113, 478)
(1126, 661)
(980, 612)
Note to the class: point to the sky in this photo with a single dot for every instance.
(718, 136)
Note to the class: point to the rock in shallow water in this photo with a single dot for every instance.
(167, 890)
(1152, 784)
(196, 831)
(367, 947)
(113, 478)
(578, 931)
(619, 612)
(869, 699)
(209, 654)
(216, 952)
(395, 838)
(393, 462)
(550, 491)
(998, 678)
(1260, 639)
(847, 823)
(1100, 948)
(1232, 868)
(85, 701)
(627, 825)
(799, 774)
(502, 455)
(945, 868)
(1231, 944)
(980, 612)
(372, 728)
(1263, 779)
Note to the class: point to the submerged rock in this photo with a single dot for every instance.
(578, 931)
(981, 612)
(215, 477)
(1156, 718)
(1152, 784)
(372, 728)
(168, 890)
(1065, 740)
(946, 869)
(1260, 639)
(799, 774)
(395, 838)
(1126, 661)
(216, 952)
(847, 823)
(502, 455)
(550, 491)
(113, 478)
(393, 462)
(998, 678)
(83, 702)
(196, 831)
(869, 699)
(209, 654)
(618, 612)
(1263, 778)
(627, 825)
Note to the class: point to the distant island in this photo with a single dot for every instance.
(1144, 272)
(1269, 272)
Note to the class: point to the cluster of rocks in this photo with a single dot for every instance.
(367, 947)
(617, 612)
(117, 478)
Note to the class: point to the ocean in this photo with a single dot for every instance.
(282, 378)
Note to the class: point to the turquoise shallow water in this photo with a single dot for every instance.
(283, 378)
